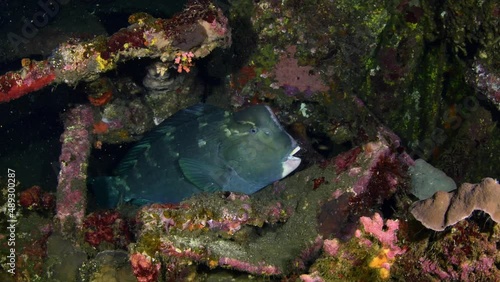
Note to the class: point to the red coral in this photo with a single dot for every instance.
(100, 91)
(30, 78)
(31, 198)
(100, 127)
(101, 98)
(123, 39)
(36, 199)
(106, 226)
(175, 28)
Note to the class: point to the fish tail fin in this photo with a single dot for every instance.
(106, 191)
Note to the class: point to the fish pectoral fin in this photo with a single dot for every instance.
(207, 177)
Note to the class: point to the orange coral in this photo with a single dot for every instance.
(102, 99)
(382, 263)
(100, 127)
(25, 63)
(98, 144)
(100, 91)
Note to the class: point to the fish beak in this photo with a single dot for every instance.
(291, 163)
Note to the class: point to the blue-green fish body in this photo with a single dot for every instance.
(203, 149)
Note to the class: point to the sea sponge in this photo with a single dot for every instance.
(427, 180)
(447, 208)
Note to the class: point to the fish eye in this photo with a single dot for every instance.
(253, 130)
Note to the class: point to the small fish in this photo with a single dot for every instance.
(202, 149)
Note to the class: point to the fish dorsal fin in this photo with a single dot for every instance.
(168, 126)
(207, 177)
(190, 113)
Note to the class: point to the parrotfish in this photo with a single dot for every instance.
(202, 149)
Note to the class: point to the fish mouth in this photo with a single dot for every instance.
(291, 163)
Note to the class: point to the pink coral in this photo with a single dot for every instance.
(176, 222)
(375, 226)
(183, 61)
(331, 247)
(313, 277)
(384, 233)
(348, 161)
(145, 270)
(248, 267)
(220, 23)
(309, 253)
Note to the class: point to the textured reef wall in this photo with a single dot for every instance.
(365, 87)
